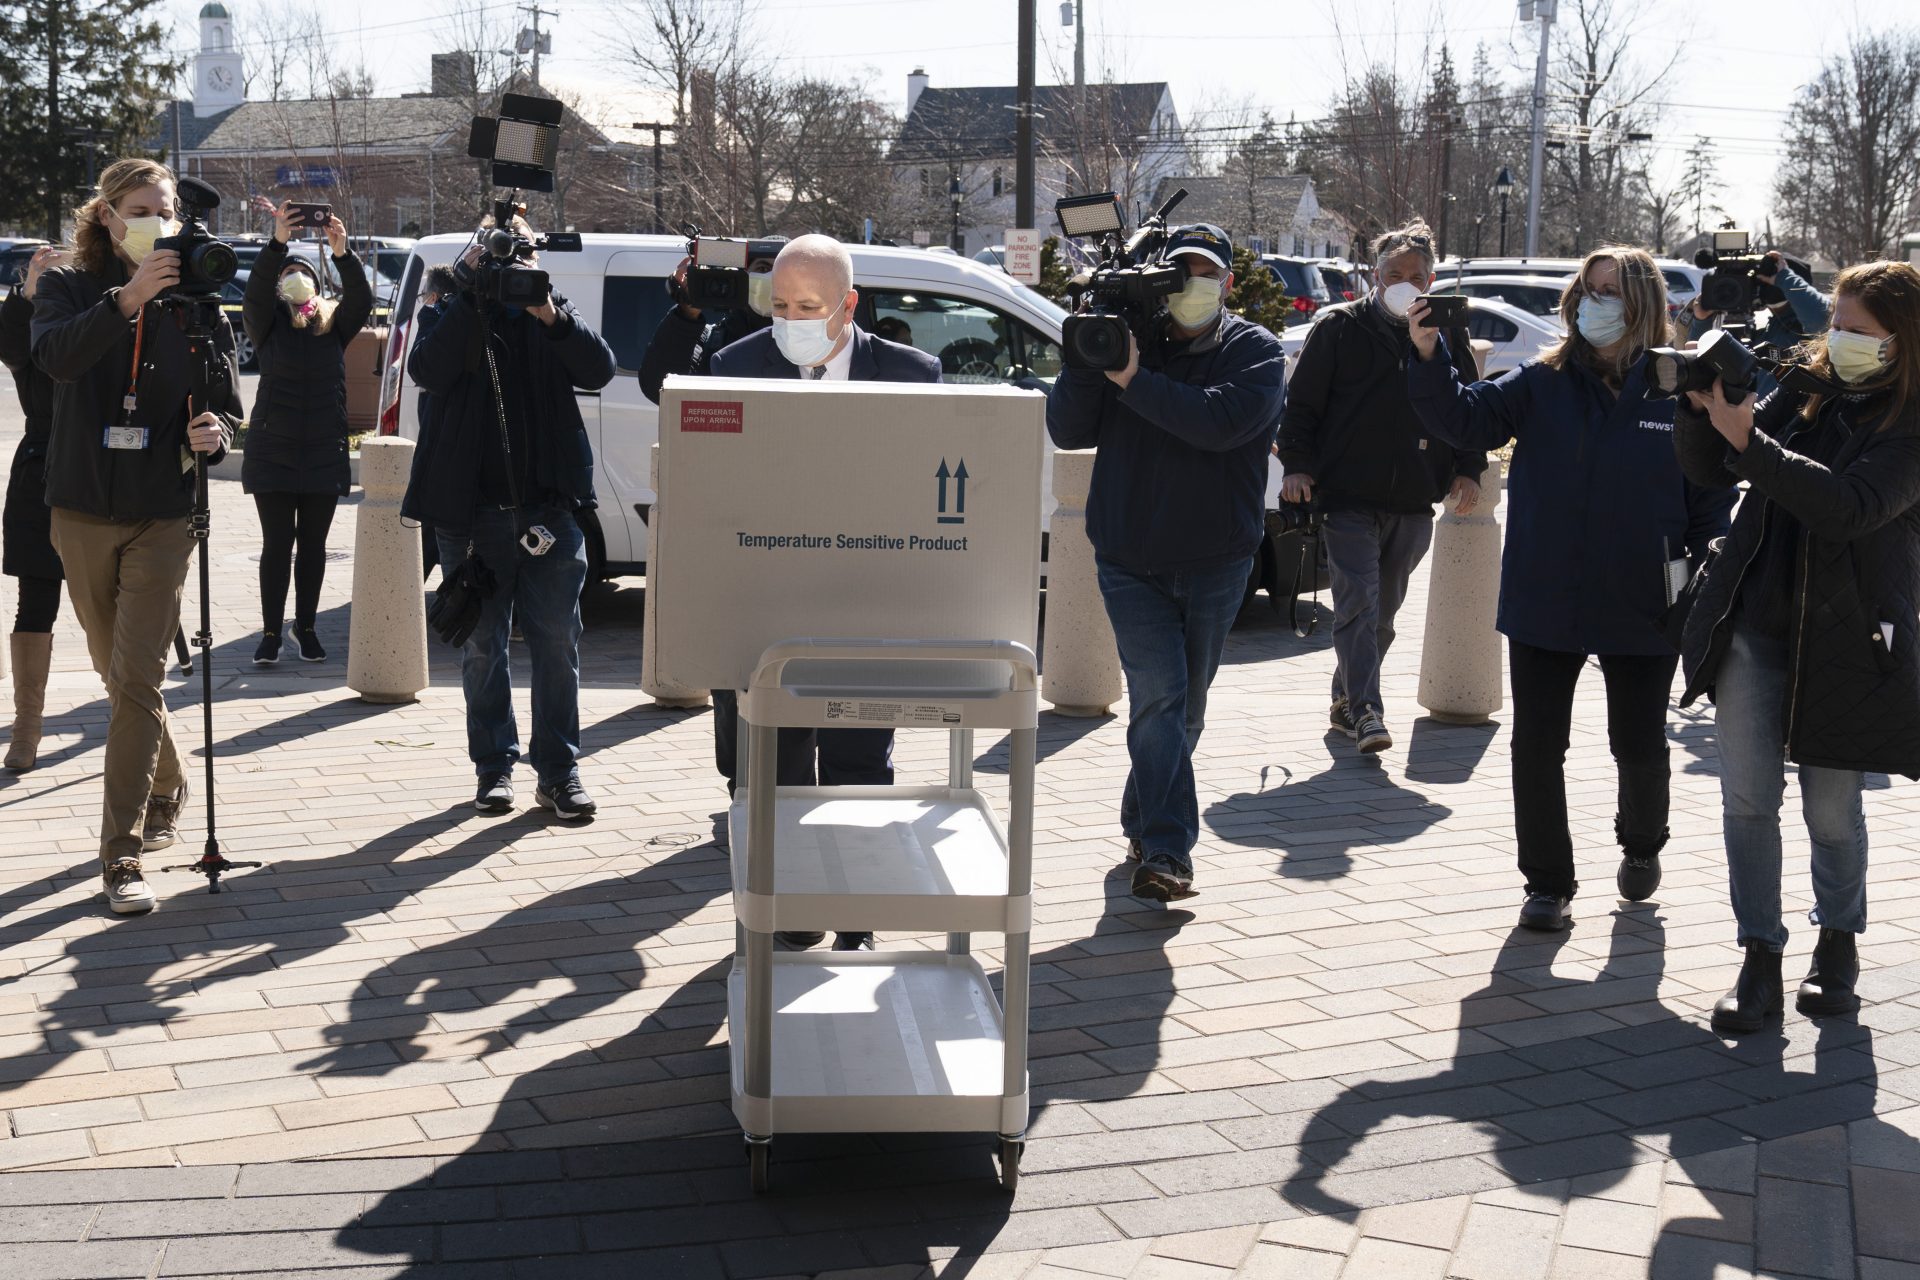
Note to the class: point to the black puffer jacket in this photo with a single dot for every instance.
(1852, 481)
(83, 343)
(297, 437)
(29, 548)
(688, 346)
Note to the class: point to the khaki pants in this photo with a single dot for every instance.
(124, 577)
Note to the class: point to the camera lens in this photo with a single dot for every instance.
(1095, 342)
(215, 263)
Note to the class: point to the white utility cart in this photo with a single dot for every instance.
(883, 1041)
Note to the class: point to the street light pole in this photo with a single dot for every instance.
(953, 194)
(1503, 186)
(1543, 9)
(1023, 177)
(659, 222)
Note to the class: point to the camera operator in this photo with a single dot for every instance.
(498, 476)
(120, 480)
(436, 290)
(687, 340)
(1599, 512)
(1802, 629)
(296, 457)
(1351, 443)
(29, 554)
(1796, 310)
(1175, 515)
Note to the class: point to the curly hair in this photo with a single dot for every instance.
(93, 243)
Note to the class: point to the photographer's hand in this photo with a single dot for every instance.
(1122, 377)
(1426, 340)
(546, 313)
(1733, 420)
(687, 309)
(1297, 487)
(44, 257)
(1771, 271)
(283, 227)
(159, 270)
(337, 236)
(1465, 495)
(206, 433)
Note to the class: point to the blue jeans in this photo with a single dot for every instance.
(1372, 556)
(543, 594)
(1171, 628)
(1750, 694)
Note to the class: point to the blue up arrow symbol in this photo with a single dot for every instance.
(959, 478)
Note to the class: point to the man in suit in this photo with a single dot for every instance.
(814, 337)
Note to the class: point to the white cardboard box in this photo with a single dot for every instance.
(842, 510)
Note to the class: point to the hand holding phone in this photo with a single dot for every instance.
(1444, 310)
(311, 215)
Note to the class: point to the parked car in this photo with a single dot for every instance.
(1514, 336)
(1345, 280)
(1304, 283)
(1683, 278)
(232, 294)
(994, 255)
(14, 258)
(1537, 295)
(981, 325)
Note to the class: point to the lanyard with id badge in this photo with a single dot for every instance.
(124, 435)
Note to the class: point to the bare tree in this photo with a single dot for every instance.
(669, 41)
(1852, 166)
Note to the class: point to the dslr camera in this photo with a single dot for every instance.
(206, 262)
(717, 277)
(1128, 287)
(1720, 356)
(1732, 283)
(503, 275)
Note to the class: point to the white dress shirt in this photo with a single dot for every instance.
(838, 366)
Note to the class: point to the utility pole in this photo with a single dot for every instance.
(1543, 10)
(538, 43)
(1023, 124)
(659, 222)
(54, 193)
(1447, 123)
(1076, 13)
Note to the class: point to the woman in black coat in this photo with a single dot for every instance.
(1803, 627)
(295, 461)
(29, 554)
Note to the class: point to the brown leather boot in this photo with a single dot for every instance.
(32, 654)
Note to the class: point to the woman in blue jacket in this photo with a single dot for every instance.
(1598, 510)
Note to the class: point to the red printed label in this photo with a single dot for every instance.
(721, 417)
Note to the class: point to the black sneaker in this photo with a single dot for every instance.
(799, 939)
(1340, 717)
(1638, 878)
(161, 825)
(309, 645)
(569, 801)
(268, 654)
(495, 794)
(1370, 731)
(1544, 913)
(1161, 879)
(853, 942)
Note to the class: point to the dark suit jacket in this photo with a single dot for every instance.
(874, 360)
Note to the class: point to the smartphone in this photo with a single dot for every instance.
(1444, 310)
(311, 215)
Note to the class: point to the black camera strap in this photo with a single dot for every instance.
(506, 443)
(1309, 562)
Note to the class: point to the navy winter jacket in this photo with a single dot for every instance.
(1596, 499)
(1180, 476)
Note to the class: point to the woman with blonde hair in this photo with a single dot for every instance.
(1598, 511)
(295, 463)
(120, 480)
(1803, 629)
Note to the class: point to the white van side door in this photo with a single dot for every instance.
(633, 301)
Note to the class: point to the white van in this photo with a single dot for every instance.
(977, 321)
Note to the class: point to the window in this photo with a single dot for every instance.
(362, 213)
(406, 210)
(1041, 354)
(1495, 329)
(971, 342)
(631, 308)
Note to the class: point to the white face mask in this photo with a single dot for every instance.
(1602, 321)
(760, 293)
(1856, 357)
(1196, 305)
(142, 231)
(1396, 298)
(297, 288)
(805, 342)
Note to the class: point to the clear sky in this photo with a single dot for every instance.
(1741, 62)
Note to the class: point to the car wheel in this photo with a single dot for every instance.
(243, 353)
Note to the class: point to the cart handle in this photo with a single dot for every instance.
(1018, 656)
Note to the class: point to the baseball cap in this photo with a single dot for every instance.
(1205, 239)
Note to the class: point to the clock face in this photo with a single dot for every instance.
(220, 78)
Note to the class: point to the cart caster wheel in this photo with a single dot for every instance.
(1010, 1150)
(758, 1155)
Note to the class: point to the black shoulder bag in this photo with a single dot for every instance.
(456, 606)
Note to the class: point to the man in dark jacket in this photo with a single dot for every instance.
(1175, 517)
(1351, 441)
(813, 337)
(688, 338)
(500, 478)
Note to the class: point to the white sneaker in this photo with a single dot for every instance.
(127, 889)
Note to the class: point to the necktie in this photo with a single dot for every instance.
(816, 373)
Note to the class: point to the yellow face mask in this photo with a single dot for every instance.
(142, 231)
(297, 287)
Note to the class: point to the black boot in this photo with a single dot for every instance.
(1757, 995)
(1828, 989)
(1639, 876)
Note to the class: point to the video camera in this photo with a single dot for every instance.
(1720, 356)
(503, 275)
(206, 262)
(718, 276)
(1732, 282)
(1126, 289)
(523, 145)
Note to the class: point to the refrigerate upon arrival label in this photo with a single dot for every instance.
(716, 417)
(921, 713)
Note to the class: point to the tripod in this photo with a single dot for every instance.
(198, 315)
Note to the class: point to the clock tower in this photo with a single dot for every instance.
(217, 84)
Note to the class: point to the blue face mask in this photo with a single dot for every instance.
(1602, 321)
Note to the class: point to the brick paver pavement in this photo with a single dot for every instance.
(427, 1042)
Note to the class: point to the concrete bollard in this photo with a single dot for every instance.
(664, 695)
(387, 643)
(1080, 667)
(1460, 660)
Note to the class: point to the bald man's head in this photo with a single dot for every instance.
(813, 280)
